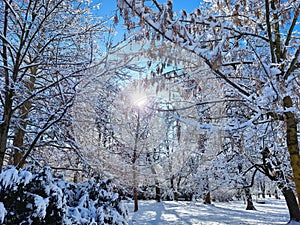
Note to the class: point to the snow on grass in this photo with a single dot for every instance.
(273, 212)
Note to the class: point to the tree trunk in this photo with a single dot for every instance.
(157, 187)
(18, 144)
(263, 188)
(20, 132)
(4, 127)
(292, 143)
(135, 199)
(207, 199)
(134, 168)
(175, 192)
(23, 114)
(135, 191)
(292, 204)
(176, 195)
(276, 194)
(250, 205)
(157, 192)
(7, 111)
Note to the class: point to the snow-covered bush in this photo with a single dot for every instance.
(41, 198)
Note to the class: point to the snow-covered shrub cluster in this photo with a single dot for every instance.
(41, 198)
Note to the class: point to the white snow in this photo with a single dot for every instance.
(3, 212)
(41, 206)
(9, 177)
(273, 212)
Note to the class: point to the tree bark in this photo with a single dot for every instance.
(157, 187)
(292, 143)
(134, 177)
(18, 145)
(8, 102)
(4, 127)
(263, 189)
(24, 114)
(135, 197)
(292, 204)
(134, 168)
(157, 192)
(207, 199)
(175, 191)
(250, 205)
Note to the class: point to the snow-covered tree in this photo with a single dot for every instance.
(45, 48)
(131, 129)
(252, 46)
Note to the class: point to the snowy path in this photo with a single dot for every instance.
(274, 212)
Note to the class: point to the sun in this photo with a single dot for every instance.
(138, 99)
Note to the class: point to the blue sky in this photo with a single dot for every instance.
(108, 6)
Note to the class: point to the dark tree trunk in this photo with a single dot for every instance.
(250, 205)
(7, 111)
(4, 127)
(276, 194)
(135, 198)
(176, 195)
(292, 204)
(175, 192)
(157, 192)
(207, 199)
(18, 144)
(263, 189)
(157, 187)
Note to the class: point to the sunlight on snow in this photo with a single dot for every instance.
(194, 213)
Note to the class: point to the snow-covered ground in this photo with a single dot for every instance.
(273, 212)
